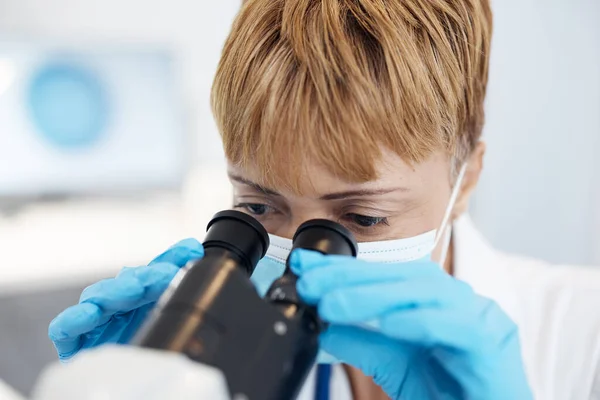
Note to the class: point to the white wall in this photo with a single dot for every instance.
(540, 193)
(195, 28)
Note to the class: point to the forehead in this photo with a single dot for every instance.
(316, 180)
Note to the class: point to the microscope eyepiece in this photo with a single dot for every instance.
(207, 288)
(326, 237)
(240, 234)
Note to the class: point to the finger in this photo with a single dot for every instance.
(363, 303)
(429, 328)
(356, 346)
(181, 253)
(118, 329)
(113, 295)
(336, 274)
(132, 289)
(65, 330)
(370, 352)
(302, 261)
(135, 322)
(464, 328)
(305, 260)
(155, 279)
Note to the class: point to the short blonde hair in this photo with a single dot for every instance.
(333, 81)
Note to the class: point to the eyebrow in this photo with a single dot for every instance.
(361, 193)
(253, 185)
(329, 196)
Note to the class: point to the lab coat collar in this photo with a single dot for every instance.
(483, 267)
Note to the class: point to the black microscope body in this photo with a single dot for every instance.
(212, 313)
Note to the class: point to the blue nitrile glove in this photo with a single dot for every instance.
(112, 310)
(424, 334)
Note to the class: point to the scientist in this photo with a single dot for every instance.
(370, 113)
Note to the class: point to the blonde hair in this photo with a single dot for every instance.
(332, 81)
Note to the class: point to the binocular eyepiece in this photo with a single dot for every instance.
(246, 237)
(326, 237)
(212, 313)
(240, 234)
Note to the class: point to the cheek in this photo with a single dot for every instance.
(421, 217)
(436, 201)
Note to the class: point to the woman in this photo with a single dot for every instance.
(370, 113)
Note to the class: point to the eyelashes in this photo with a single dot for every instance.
(366, 221)
(255, 209)
(358, 222)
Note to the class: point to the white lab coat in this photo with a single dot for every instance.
(557, 309)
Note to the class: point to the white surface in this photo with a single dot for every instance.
(127, 373)
(540, 193)
(7, 393)
(50, 246)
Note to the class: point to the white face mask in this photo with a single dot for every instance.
(419, 247)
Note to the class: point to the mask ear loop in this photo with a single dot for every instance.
(443, 231)
(446, 246)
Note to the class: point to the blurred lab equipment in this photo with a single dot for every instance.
(82, 121)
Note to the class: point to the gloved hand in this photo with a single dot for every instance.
(111, 311)
(434, 337)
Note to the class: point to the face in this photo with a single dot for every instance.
(404, 201)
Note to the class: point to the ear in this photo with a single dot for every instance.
(469, 183)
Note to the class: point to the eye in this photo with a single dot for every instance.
(254, 208)
(365, 220)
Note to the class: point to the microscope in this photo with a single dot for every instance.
(211, 336)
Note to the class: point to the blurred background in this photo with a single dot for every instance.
(109, 154)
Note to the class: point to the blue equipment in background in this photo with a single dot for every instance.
(81, 121)
(69, 105)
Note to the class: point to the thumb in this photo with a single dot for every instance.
(376, 355)
(181, 253)
(66, 329)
